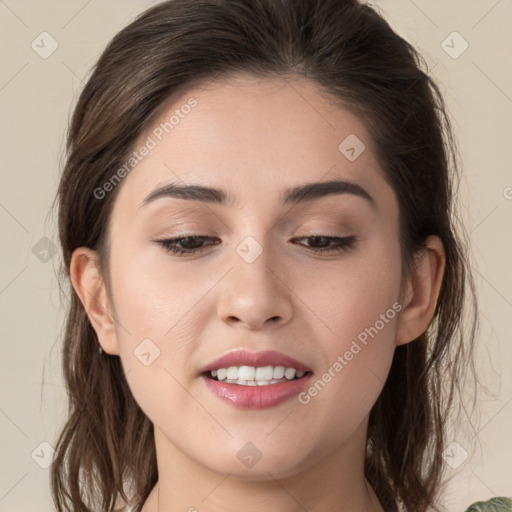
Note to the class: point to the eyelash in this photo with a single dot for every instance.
(343, 244)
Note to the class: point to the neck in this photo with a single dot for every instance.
(335, 482)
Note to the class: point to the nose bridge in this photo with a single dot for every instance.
(253, 291)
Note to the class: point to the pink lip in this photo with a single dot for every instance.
(246, 358)
(256, 397)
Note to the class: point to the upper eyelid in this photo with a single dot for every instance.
(200, 234)
(177, 239)
(199, 212)
(343, 223)
(338, 244)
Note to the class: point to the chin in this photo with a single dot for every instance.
(249, 464)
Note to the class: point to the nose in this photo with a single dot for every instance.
(255, 294)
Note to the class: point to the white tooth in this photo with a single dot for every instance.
(246, 372)
(289, 373)
(278, 372)
(233, 372)
(246, 375)
(264, 373)
(241, 382)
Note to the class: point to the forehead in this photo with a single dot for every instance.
(254, 137)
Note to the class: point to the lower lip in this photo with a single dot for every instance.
(256, 397)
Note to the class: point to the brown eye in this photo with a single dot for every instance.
(325, 243)
(318, 243)
(184, 245)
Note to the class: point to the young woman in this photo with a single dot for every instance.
(257, 220)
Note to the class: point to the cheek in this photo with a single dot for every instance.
(358, 355)
(152, 296)
(359, 308)
(158, 308)
(353, 294)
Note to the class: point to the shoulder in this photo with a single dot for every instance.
(493, 505)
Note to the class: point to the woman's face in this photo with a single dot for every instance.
(257, 282)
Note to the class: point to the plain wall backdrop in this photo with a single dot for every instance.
(47, 50)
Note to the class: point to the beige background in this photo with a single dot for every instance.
(36, 99)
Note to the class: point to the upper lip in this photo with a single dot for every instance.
(247, 358)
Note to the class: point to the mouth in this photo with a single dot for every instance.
(262, 392)
(255, 380)
(256, 375)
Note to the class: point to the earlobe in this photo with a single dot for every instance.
(422, 291)
(90, 287)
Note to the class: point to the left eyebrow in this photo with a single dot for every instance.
(294, 195)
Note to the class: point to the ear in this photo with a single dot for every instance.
(421, 291)
(89, 285)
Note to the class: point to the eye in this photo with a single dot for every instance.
(334, 243)
(320, 244)
(191, 244)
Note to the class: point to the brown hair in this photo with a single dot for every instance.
(351, 52)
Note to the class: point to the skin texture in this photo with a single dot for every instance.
(254, 138)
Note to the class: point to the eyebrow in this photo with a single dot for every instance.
(294, 195)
